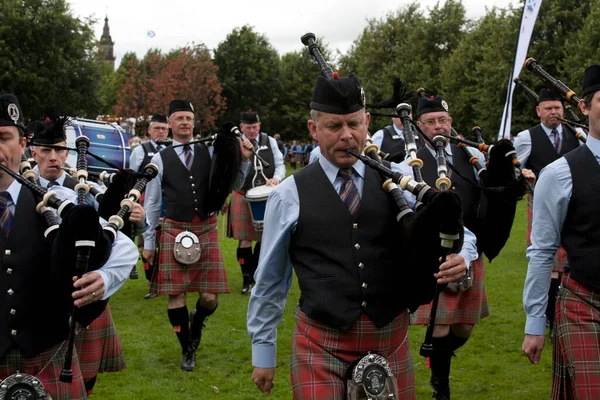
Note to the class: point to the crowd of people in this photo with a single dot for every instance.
(329, 223)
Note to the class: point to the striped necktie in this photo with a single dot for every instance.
(557, 142)
(5, 213)
(188, 156)
(51, 183)
(348, 191)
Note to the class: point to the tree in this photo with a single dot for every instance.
(48, 58)
(148, 86)
(249, 72)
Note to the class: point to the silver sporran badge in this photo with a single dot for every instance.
(372, 379)
(187, 248)
(13, 112)
(22, 387)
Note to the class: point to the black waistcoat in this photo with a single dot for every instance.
(543, 151)
(149, 151)
(469, 194)
(184, 191)
(70, 182)
(267, 155)
(580, 235)
(34, 303)
(345, 265)
(392, 143)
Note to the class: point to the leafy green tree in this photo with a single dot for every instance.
(249, 73)
(48, 57)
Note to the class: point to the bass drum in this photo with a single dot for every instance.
(107, 141)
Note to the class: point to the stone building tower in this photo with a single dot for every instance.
(107, 45)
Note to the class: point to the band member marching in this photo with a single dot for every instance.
(183, 183)
(241, 224)
(40, 296)
(565, 213)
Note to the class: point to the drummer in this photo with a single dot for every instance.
(240, 219)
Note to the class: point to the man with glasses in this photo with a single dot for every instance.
(460, 307)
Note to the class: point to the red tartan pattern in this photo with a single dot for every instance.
(240, 219)
(560, 259)
(14, 360)
(99, 348)
(467, 307)
(321, 355)
(576, 343)
(205, 276)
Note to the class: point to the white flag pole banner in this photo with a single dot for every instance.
(530, 12)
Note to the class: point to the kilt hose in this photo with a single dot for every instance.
(53, 359)
(99, 348)
(205, 276)
(576, 342)
(321, 355)
(239, 219)
(560, 259)
(467, 307)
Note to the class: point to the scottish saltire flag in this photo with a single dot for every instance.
(530, 12)
(151, 34)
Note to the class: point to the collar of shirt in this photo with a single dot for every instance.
(332, 171)
(594, 145)
(179, 150)
(14, 189)
(60, 180)
(399, 131)
(448, 150)
(548, 131)
(156, 146)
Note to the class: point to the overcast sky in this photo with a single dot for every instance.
(180, 22)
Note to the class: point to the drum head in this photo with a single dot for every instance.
(259, 193)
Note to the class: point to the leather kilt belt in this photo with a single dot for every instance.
(206, 275)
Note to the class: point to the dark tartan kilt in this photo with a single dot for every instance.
(14, 360)
(205, 276)
(560, 259)
(240, 219)
(467, 307)
(576, 342)
(321, 355)
(99, 348)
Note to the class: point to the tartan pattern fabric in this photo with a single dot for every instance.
(5, 213)
(188, 156)
(205, 276)
(576, 342)
(322, 356)
(240, 219)
(467, 307)
(99, 348)
(348, 190)
(560, 258)
(13, 360)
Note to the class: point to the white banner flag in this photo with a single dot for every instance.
(530, 12)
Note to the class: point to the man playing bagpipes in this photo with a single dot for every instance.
(189, 254)
(536, 148)
(333, 224)
(38, 274)
(461, 306)
(566, 201)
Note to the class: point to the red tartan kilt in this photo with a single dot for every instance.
(14, 360)
(99, 348)
(205, 276)
(240, 219)
(576, 342)
(467, 307)
(321, 355)
(560, 259)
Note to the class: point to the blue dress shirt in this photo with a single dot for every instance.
(274, 273)
(137, 155)
(550, 204)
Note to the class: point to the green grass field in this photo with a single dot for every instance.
(489, 366)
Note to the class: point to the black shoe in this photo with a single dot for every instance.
(150, 296)
(441, 389)
(247, 289)
(189, 360)
(133, 274)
